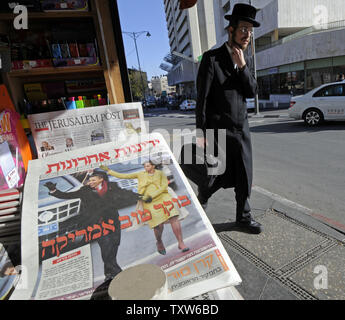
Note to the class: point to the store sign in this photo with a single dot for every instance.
(273, 71)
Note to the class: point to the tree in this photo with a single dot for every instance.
(136, 87)
(136, 82)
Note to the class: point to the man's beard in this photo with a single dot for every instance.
(236, 43)
(239, 45)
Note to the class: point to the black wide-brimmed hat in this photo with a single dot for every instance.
(245, 12)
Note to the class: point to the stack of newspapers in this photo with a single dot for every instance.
(10, 214)
(9, 275)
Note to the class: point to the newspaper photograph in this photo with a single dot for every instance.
(61, 131)
(93, 212)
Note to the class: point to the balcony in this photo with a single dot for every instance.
(309, 44)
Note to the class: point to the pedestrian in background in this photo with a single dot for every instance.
(224, 82)
(341, 77)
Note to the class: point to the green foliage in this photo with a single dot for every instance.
(136, 86)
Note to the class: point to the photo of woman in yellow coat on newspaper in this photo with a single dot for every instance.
(153, 188)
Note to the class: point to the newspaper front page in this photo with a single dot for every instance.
(77, 234)
(61, 131)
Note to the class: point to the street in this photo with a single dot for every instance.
(294, 164)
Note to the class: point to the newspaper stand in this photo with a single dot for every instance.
(103, 15)
(112, 69)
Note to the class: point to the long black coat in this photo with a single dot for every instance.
(95, 209)
(221, 104)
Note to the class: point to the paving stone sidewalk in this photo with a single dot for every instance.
(296, 257)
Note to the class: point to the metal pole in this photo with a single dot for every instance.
(141, 76)
(257, 112)
(134, 36)
(194, 76)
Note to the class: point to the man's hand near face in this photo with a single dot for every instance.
(238, 56)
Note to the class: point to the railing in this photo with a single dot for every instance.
(304, 32)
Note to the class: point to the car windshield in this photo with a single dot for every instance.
(61, 183)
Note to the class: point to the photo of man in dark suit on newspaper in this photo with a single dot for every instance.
(100, 201)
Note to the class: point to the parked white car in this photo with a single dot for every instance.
(188, 105)
(326, 102)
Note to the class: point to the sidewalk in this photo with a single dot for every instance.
(296, 257)
(270, 113)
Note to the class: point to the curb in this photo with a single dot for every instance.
(269, 116)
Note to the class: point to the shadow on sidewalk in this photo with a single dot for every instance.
(284, 127)
(229, 226)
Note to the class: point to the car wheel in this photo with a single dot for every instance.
(312, 117)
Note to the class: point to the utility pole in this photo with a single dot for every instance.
(135, 36)
(257, 111)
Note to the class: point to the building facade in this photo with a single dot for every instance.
(299, 45)
(159, 86)
(191, 32)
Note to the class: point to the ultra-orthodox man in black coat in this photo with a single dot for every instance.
(222, 89)
(221, 104)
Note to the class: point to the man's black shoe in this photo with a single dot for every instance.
(250, 226)
(101, 292)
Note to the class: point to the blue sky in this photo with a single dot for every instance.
(145, 15)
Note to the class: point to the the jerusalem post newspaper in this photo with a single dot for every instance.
(61, 131)
(63, 253)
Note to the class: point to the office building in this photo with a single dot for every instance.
(191, 32)
(299, 46)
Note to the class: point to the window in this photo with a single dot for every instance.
(317, 77)
(183, 36)
(331, 91)
(337, 71)
(292, 83)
